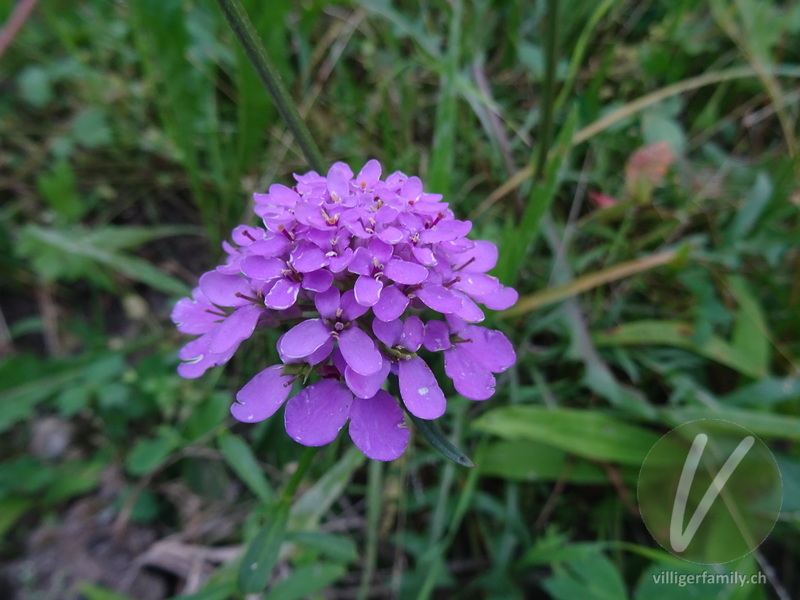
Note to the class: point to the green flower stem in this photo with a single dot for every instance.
(302, 467)
(237, 18)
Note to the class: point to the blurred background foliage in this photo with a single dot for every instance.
(656, 256)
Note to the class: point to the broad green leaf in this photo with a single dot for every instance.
(308, 510)
(305, 580)
(679, 335)
(751, 336)
(18, 402)
(525, 460)
(240, 459)
(766, 392)
(58, 188)
(261, 555)
(336, 547)
(50, 247)
(90, 128)
(11, 509)
(35, 86)
(223, 590)
(591, 434)
(766, 425)
(149, 453)
(592, 577)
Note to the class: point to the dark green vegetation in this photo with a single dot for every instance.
(658, 286)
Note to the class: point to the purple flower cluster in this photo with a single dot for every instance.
(353, 263)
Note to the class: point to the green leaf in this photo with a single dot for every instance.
(240, 459)
(591, 434)
(18, 402)
(434, 435)
(525, 460)
(90, 128)
(308, 510)
(766, 392)
(658, 127)
(592, 577)
(58, 188)
(11, 509)
(304, 581)
(149, 453)
(756, 202)
(337, 547)
(69, 254)
(35, 86)
(261, 555)
(750, 333)
(95, 592)
(766, 425)
(679, 335)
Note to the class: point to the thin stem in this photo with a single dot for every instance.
(549, 87)
(374, 506)
(237, 18)
(302, 467)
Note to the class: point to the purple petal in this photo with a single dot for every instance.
(477, 284)
(259, 267)
(469, 311)
(369, 174)
(235, 329)
(366, 386)
(262, 395)
(419, 389)
(327, 302)
(271, 246)
(391, 235)
(307, 257)
(489, 348)
(350, 308)
(342, 261)
(388, 332)
(391, 304)
(437, 336)
(192, 316)
(315, 415)
(444, 231)
(282, 196)
(362, 262)
(406, 272)
(367, 290)
(377, 427)
(225, 290)
(439, 298)
(318, 281)
(321, 353)
(502, 299)
(282, 295)
(338, 361)
(304, 338)
(413, 334)
(424, 255)
(380, 251)
(470, 379)
(480, 258)
(359, 351)
(244, 235)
